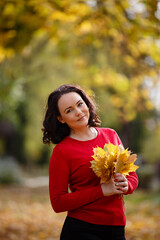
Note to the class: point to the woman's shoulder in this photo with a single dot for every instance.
(106, 130)
(111, 135)
(62, 145)
(60, 153)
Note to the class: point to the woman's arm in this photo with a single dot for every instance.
(132, 179)
(61, 199)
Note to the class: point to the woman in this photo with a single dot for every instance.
(95, 211)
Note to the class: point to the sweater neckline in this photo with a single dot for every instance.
(85, 141)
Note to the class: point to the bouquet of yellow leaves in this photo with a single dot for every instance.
(112, 159)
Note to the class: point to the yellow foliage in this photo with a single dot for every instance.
(133, 49)
(112, 159)
(129, 61)
(117, 101)
(5, 53)
(98, 79)
(85, 27)
(79, 9)
(61, 16)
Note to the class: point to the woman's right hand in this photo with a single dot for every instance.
(110, 188)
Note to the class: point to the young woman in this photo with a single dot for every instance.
(95, 211)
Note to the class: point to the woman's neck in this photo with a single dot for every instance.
(84, 134)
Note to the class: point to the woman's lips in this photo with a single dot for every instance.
(81, 118)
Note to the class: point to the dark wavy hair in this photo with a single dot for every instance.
(53, 130)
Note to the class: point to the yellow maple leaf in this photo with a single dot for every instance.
(99, 152)
(112, 159)
(125, 163)
(111, 148)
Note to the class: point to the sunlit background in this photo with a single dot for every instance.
(111, 49)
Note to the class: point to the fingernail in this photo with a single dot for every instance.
(120, 189)
(115, 180)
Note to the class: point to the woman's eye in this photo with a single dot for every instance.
(68, 111)
(80, 104)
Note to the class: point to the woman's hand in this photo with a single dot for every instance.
(117, 185)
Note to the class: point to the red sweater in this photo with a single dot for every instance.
(70, 166)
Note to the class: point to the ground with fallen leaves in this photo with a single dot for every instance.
(26, 214)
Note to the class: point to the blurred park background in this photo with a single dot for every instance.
(112, 49)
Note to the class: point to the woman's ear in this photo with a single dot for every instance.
(60, 119)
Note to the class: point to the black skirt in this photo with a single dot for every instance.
(74, 229)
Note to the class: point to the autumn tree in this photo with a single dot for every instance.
(112, 45)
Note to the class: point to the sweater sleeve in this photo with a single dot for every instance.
(61, 199)
(132, 182)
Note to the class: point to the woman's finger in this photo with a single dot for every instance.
(120, 178)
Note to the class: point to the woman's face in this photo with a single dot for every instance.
(73, 111)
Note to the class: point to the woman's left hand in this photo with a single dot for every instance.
(121, 182)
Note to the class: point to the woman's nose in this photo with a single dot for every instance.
(78, 111)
